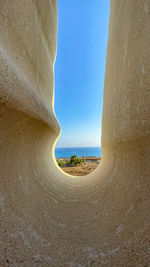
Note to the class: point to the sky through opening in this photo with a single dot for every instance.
(80, 70)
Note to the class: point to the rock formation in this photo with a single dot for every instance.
(48, 218)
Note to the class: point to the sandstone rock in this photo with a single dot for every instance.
(48, 218)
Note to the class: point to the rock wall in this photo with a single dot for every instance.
(48, 218)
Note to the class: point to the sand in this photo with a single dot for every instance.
(89, 165)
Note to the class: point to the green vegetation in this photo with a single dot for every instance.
(61, 163)
(73, 161)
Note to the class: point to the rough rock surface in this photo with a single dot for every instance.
(46, 217)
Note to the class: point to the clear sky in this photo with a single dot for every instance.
(80, 70)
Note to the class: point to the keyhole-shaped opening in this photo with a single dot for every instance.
(79, 82)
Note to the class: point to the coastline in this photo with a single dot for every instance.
(67, 152)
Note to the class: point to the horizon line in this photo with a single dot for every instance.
(76, 146)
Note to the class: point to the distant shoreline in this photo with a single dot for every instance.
(83, 157)
(79, 151)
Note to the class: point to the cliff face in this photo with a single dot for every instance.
(46, 217)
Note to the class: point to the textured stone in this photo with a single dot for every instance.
(48, 218)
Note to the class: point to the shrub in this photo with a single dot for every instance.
(61, 163)
(74, 160)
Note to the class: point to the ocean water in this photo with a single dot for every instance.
(67, 152)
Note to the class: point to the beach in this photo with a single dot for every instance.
(89, 165)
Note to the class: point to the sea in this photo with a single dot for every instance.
(67, 152)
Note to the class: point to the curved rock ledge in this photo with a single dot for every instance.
(48, 218)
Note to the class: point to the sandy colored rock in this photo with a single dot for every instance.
(48, 218)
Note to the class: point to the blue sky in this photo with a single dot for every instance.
(80, 70)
